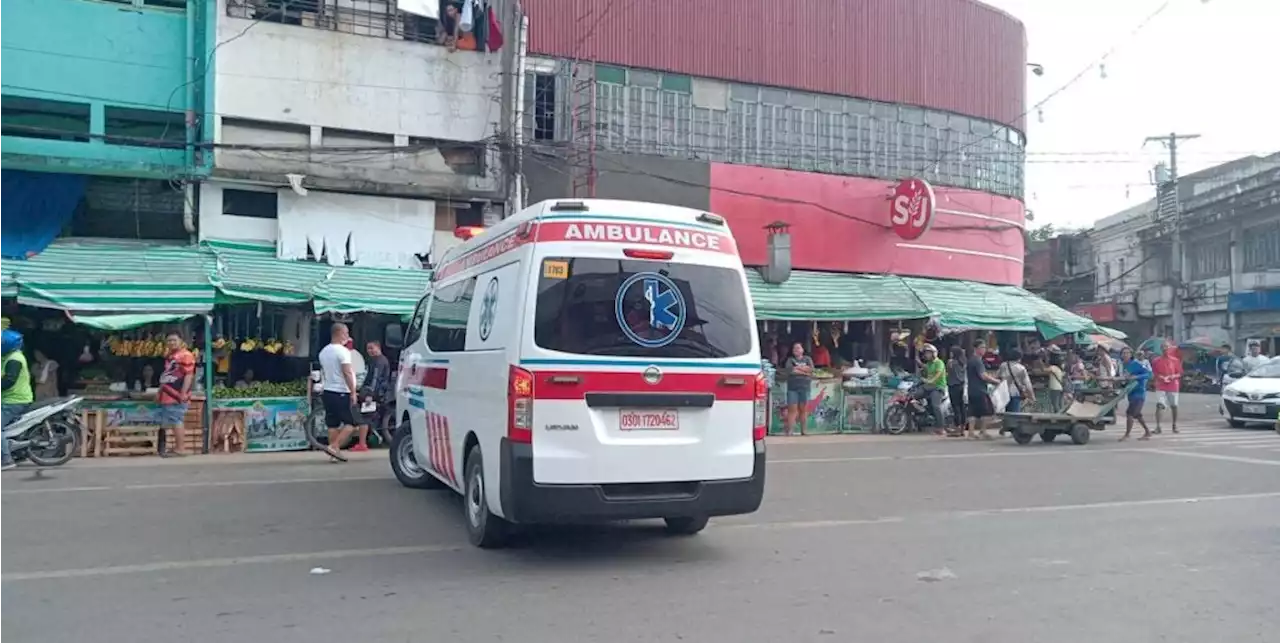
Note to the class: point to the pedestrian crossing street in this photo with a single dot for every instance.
(1217, 433)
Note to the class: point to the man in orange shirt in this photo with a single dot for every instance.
(1168, 374)
(175, 390)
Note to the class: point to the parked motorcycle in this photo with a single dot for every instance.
(48, 433)
(908, 409)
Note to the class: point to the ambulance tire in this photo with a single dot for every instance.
(484, 529)
(404, 463)
(686, 525)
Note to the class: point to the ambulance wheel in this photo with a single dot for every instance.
(686, 525)
(404, 463)
(484, 529)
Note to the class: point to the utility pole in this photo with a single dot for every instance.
(1170, 141)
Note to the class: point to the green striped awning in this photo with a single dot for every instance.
(376, 290)
(114, 276)
(8, 287)
(969, 304)
(838, 296)
(260, 276)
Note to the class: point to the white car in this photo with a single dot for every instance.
(1253, 398)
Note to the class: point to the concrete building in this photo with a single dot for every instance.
(1061, 268)
(1231, 260)
(705, 108)
(104, 119)
(1230, 221)
(345, 132)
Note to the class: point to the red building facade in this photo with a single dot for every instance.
(705, 103)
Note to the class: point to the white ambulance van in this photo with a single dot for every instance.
(586, 360)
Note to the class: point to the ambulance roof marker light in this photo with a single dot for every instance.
(467, 232)
(714, 219)
(569, 206)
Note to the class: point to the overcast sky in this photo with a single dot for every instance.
(1200, 67)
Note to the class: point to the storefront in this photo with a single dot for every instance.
(253, 321)
(1257, 316)
(879, 322)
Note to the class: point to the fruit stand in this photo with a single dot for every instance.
(118, 375)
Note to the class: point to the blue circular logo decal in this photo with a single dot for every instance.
(488, 309)
(650, 309)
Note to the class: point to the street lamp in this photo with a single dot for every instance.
(1036, 68)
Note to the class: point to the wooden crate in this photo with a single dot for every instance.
(128, 440)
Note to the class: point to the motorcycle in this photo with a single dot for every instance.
(49, 433)
(908, 409)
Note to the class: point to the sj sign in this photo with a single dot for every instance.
(911, 208)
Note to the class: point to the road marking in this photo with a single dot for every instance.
(236, 483)
(15, 492)
(815, 524)
(212, 563)
(1122, 503)
(956, 456)
(195, 485)
(1216, 456)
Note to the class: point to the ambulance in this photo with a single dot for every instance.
(582, 361)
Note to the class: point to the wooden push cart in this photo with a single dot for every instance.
(1094, 411)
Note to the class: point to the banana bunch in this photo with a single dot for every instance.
(272, 346)
(143, 347)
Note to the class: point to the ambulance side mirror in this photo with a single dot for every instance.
(393, 336)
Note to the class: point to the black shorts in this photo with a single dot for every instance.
(337, 409)
(980, 406)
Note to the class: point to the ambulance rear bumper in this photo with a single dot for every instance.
(525, 501)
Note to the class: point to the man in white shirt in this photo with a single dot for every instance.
(338, 390)
(1255, 358)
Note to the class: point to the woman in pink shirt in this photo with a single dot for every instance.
(1168, 375)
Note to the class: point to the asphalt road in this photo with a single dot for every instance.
(886, 539)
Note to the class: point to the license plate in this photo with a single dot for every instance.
(651, 420)
(1255, 409)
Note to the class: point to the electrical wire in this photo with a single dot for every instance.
(1070, 82)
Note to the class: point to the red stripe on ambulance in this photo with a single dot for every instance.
(439, 447)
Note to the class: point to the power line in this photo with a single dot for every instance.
(1070, 82)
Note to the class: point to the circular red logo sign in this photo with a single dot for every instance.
(911, 208)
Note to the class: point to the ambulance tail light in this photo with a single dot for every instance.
(520, 405)
(761, 408)
(658, 255)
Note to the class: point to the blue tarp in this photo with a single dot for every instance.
(37, 206)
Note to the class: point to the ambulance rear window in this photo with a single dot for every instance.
(634, 308)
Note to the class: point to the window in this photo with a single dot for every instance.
(808, 131)
(1120, 272)
(414, 331)
(576, 310)
(246, 203)
(1261, 247)
(130, 126)
(447, 319)
(44, 119)
(544, 107)
(1210, 258)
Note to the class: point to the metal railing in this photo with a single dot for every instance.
(378, 18)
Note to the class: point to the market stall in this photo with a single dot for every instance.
(260, 401)
(116, 367)
(879, 323)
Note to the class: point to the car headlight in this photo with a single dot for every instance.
(1230, 392)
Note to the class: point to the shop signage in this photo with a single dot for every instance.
(271, 424)
(911, 208)
(1102, 312)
